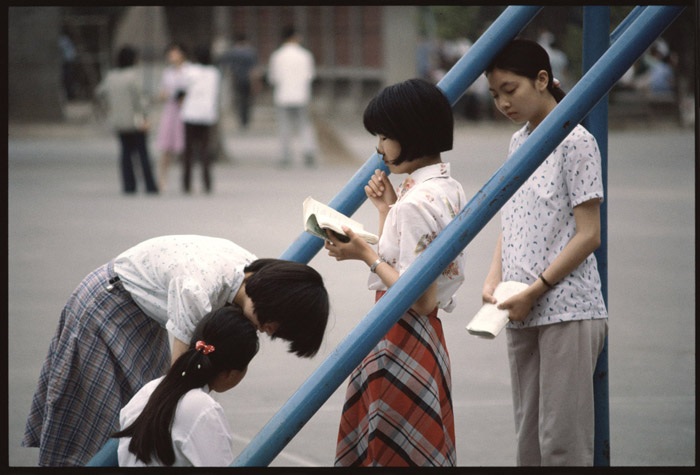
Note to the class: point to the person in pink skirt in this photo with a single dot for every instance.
(171, 133)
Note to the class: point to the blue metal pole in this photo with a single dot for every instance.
(301, 406)
(107, 456)
(596, 40)
(454, 84)
(624, 24)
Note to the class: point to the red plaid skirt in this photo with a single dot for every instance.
(398, 405)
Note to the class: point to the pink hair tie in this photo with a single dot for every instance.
(206, 349)
(556, 82)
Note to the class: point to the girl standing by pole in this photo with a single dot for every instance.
(398, 406)
(172, 420)
(549, 230)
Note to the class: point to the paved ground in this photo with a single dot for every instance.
(67, 216)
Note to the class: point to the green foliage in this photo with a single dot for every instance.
(454, 22)
(450, 22)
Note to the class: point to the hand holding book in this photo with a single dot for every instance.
(318, 217)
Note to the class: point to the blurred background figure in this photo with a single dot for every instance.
(242, 59)
(171, 132)
(122, 95)
(200, 113)
(475, 103)
(69, 57)
(660, 76)
(291, 72)
(426, 53)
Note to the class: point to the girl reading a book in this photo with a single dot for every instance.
(172, 420)
(398, 407)
(550, 228)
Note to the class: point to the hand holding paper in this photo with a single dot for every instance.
(489, 320)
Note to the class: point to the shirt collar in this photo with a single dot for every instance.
(236, 282)
(439, 170)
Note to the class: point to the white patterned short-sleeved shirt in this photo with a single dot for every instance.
(538, 222)
(427, 201)
(176, 280)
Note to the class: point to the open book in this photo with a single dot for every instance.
(318, 217)
(489, 320)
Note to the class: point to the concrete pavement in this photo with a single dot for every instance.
(66, 216)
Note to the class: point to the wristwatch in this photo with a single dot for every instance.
(373, 267)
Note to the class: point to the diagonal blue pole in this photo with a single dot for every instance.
(107, 456)
(594, 85)
(624, 24)
(454, 84)
(596, 40)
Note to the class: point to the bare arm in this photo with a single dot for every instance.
(179, 347)
(494, 277)
(585, 241)
(382, 195)
(359, 249)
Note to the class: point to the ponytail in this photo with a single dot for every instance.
(555, 89)
(224, 340)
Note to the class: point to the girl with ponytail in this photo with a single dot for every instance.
(172, 420)
(549, 230)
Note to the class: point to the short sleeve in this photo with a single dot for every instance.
(187, 304)
(582, 169)
(209, 442)
(416, 229)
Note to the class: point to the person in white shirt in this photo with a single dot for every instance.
(200, 112)
(398, 409)
(291, 72)
(550, 229)
(112, 336)
(172, 420)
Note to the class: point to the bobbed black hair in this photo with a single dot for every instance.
(126, 56)
(293, 295)
(235, 342)
(415, 113)
(526, 58)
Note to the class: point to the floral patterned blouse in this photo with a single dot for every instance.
(427, 200)
(176, 280)
(538, 222)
